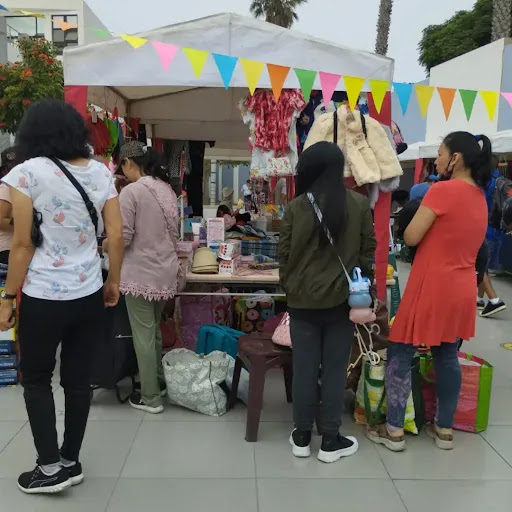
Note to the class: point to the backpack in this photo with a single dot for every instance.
(218, 337)
(502, 192)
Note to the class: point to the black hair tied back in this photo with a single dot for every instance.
(476, 151)
(152, 163)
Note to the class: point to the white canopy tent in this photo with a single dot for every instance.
(181, 106)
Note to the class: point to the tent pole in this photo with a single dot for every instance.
(213, 182)
(219, 181)
(236, 183)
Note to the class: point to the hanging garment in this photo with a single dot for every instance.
(369, 155)
(100, 136)
(178, 152)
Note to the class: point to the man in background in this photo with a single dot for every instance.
(419, 191)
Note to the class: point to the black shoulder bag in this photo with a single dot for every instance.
(37, 238)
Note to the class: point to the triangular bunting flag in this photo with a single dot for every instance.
(101, 32)
(468, 100)
(490, 101)
(64, 25)
(252, 70)
(134, 41)
(403, 91)
(32, 14)
(226, 65)
(447, 96)
(328, 81)
(2, 8)
(508, 97)
(379, 89)
(166, 53)
(424, 94)
(278, 75)
(354, 86)
(306, 79)
(197, 59)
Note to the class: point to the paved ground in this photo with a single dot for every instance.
(182, 461)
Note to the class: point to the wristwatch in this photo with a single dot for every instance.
(6, 296)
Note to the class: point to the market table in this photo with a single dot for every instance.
(244, 277)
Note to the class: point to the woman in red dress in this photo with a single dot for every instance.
(438, 305)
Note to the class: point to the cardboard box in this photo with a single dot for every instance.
(230, 250)
(229, 266)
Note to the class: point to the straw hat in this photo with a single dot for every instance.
(205, 262)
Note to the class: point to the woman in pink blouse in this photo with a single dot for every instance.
(149, 276)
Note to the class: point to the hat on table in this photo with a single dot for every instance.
(205, 262)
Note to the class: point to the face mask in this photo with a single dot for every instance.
(447, 174)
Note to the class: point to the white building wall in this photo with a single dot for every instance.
(480, 69)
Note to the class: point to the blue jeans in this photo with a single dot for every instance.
(398, 382)
(494, 254)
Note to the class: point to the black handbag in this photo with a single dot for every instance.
(36, 235)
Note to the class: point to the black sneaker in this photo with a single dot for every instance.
(137, 403)
(491, 309)
(36, 482)
(301, 441)
(76, 474)
(480, 304)
(336, 447)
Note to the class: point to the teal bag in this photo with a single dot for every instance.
(218, 337)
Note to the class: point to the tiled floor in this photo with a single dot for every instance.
(183, 461)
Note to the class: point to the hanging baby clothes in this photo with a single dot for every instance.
(270, 126)
(178, 154)
(100, 136)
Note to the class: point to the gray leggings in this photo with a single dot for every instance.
(320, 343)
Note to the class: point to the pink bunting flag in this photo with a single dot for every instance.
(166, 53)
(328, 81)
(508, 97)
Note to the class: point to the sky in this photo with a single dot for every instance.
(348, 22)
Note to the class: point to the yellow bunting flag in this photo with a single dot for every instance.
(134, 41)
(252, 70)
(33, 14)
(447, 96)
(197, 59)
(491, 102)
(424, 94)
(379, 88)
(354, 86)
(278, 75)
(64, 25)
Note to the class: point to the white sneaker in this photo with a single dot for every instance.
(300, 441)
(335, 448)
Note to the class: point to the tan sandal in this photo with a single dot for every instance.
(380, 435)
(443, 440)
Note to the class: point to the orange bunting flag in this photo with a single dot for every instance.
(64, 25)
(252, 71)
(354, 86)
(197, 59)
(490, 99)
(134, 41)
(424, 94)
(447, 96)
(278, 75)
(379, 88)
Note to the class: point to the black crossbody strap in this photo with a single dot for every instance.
(335, 127)
(88, 203)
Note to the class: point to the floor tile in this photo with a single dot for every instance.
(455, 495)
(292, 495)
(8, 429)
(500, 438)
(175, 413)
(104, 406)
(190, 450)
(12, 404)
(472, 459)
(274, 458)
(92, 496)
(105, 448)
(501, 406)
(194, 495)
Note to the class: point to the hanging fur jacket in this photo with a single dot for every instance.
(369, 155)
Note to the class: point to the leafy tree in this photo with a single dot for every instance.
(462, 33)
(278, 12)
(39, 75)
(501, 18)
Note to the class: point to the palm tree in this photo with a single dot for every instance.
(501, 18)
(278, 12)
(383, 26)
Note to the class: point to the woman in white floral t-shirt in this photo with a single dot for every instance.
(63, 293)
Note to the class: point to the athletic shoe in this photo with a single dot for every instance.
(301, 443)
(480, 304)
(75, 473)
(491, 309)
(443, 441)
(380, 435)
(335, 447)
(36, 482)
(137, 403)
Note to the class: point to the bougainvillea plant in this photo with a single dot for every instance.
(39, 75)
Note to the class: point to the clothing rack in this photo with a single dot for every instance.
(230, 294)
